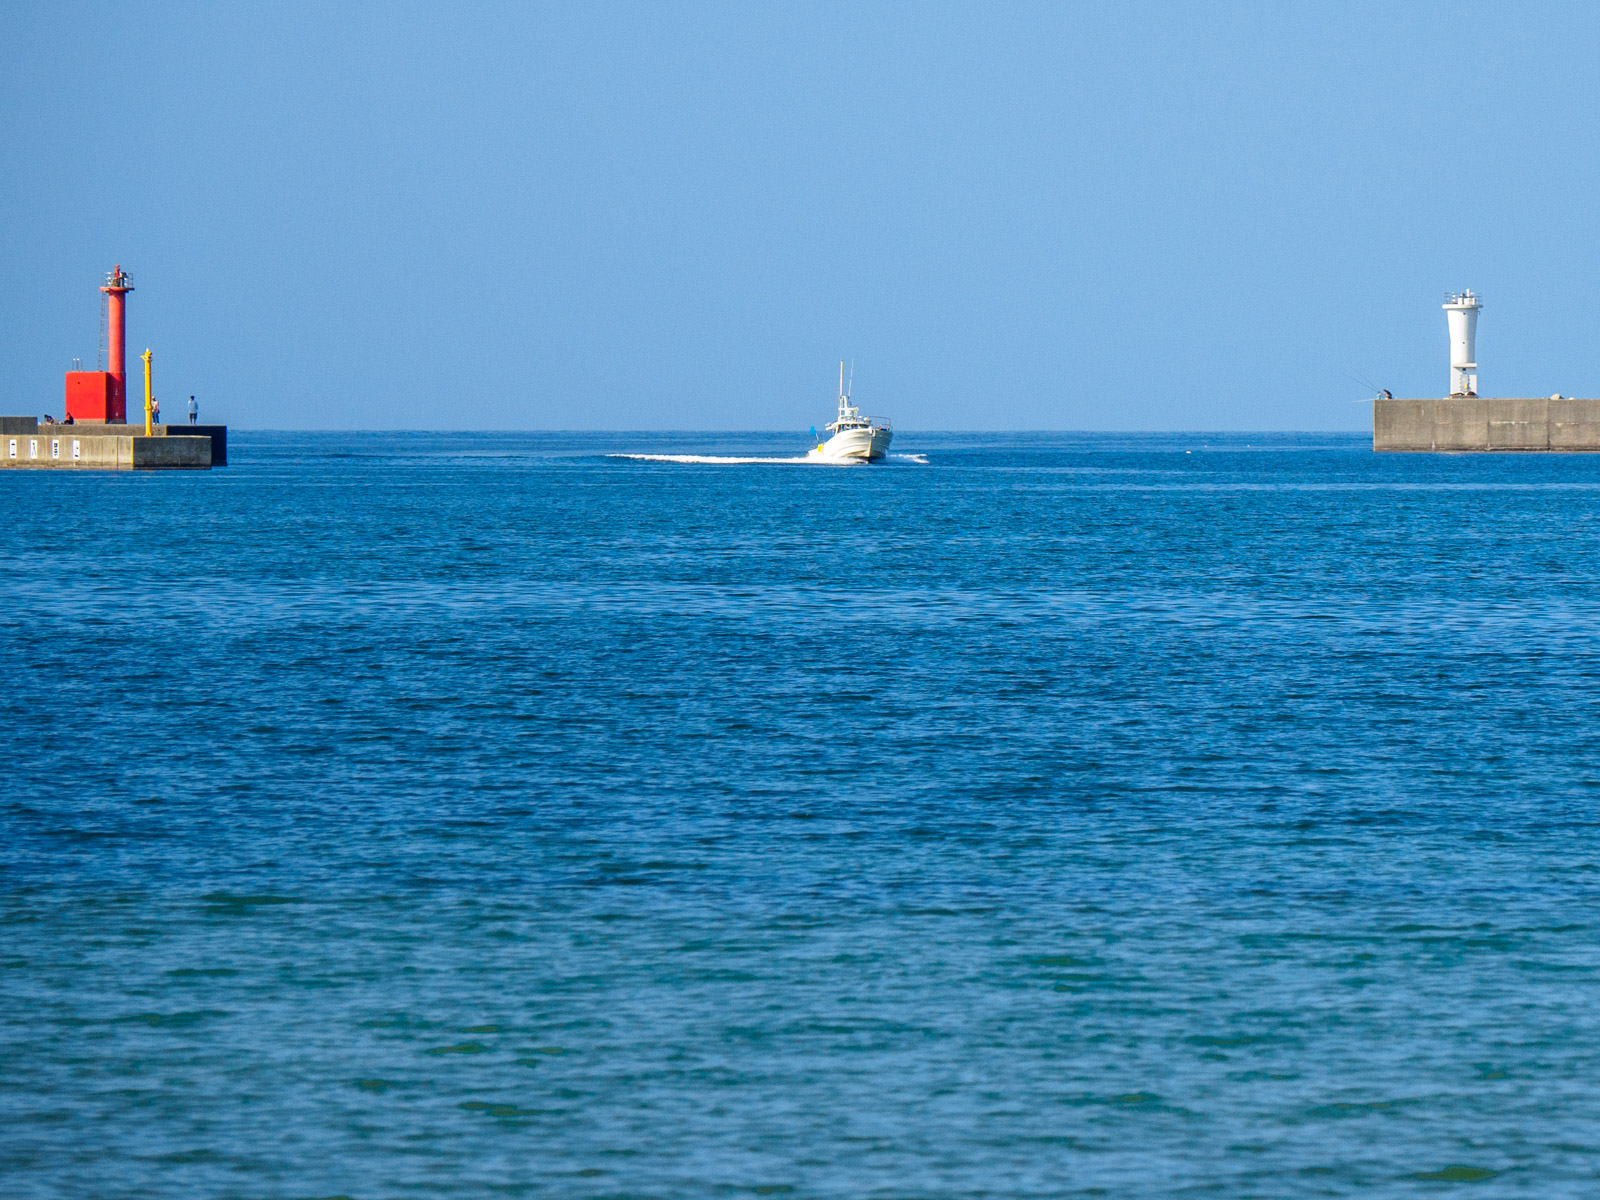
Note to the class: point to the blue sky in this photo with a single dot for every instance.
(680, 216)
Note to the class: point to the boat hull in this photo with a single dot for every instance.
(857, 445)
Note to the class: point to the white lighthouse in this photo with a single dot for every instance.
(1461, 310)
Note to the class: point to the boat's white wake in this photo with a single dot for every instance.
(718, 459)
(722, 460)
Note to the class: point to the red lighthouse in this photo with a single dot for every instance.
(103, 395)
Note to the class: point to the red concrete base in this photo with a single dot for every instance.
(95, 396)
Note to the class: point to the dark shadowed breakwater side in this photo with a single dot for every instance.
(1127, 816)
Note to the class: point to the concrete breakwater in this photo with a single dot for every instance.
(1486, 423)
(89, 445)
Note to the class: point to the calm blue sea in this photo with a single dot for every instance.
(1128, 816)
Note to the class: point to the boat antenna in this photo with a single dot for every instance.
(850, 387)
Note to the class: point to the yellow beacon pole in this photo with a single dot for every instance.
(149, 430)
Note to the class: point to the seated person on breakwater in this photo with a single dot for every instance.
(47, 419)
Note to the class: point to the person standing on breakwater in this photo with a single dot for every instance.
(194, 411)
(155, 412)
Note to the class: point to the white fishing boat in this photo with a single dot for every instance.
(855, 437)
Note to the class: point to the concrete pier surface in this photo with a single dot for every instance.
(1461, 423)
(91, 445)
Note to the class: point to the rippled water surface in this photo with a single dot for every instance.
(413, 816)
